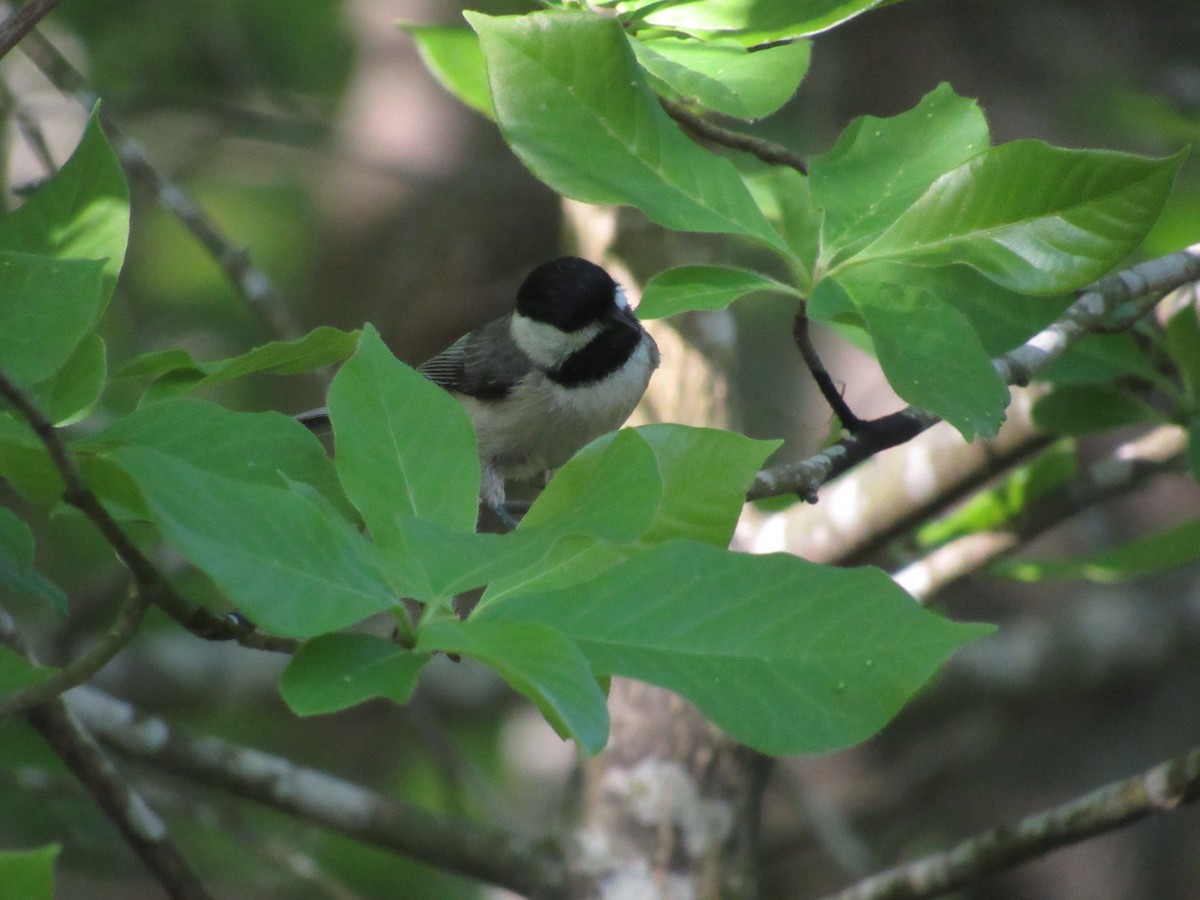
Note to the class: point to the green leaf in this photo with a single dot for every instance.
(25, 464)
(404, 446)
(571, 559)
(784, 655)
(783, 195)
(758, 19)
(332, 672)
(879, 167)
(704, 473)
(29, 874)
(47, 305)
(725, 77)
(1147, 555)
(266, 448)
(574, 106)
(16, 564)
(16, 672)
(284, 561)
(454, 58)
(929, 352)
(82, 212)
(433, 563)
(610, 489)
(689, 288)
(321, 347)
(71, 393)
(1073, 410)
(1032, 217)
(537, 661)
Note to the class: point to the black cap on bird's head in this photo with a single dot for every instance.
(569, 293)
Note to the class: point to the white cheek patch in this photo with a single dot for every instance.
(620, 299)
(546, 345)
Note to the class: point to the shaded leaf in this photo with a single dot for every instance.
(454, 58)
(336, 671)
(689, 288)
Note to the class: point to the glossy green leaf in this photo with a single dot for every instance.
(81, 212)
(404, 446)
(283, 560)
(17, 572)
(929, 352)
(71, 393)
(879, 167)
(1072, 409)
(761, 19)
(1147, 555)
(47, 305)
(784, 196)
(786, 656)
(336, 671)
(539, 662)
(725, 77)
(1032, 217)
(28, 874)
(574, 106)
(454, 58)
(689, 288)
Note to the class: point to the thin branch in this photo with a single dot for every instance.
(124, 627)
(1130, 466)
(458, 846)
(1017, 367)
(767, 151)
(148, 580)
(21, 22)
(255, 287)
(29, 128)
(825, 383)
(1160, 789)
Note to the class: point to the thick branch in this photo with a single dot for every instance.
(1129, 467)
(21, 22)
(1161, 789)
(148, 580)
(463, 847)
(1017, 367)
(251, 282)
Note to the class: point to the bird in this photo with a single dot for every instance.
(568, 364)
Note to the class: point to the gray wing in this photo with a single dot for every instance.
(484, 363)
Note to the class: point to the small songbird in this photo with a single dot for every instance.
(568, 364)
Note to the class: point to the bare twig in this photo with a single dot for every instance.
(825, 383)
(21, 22)
(252, 283)
(1017, 367)
(1129, 467)
(1160, 789)
(459, 846)
(767, 151)
(138, 824)
(148, 580)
